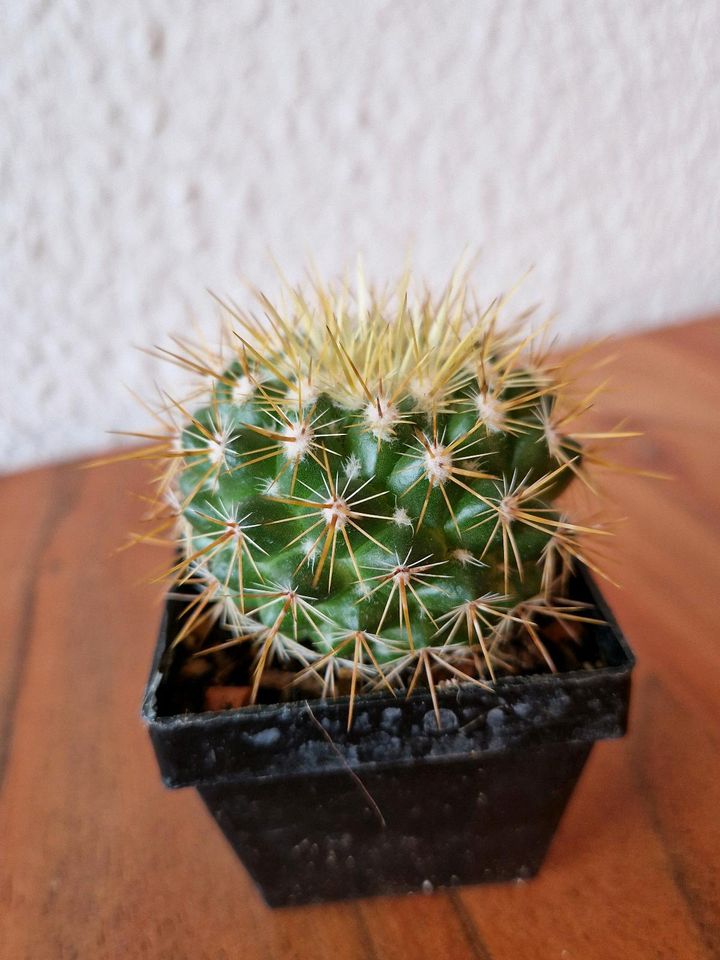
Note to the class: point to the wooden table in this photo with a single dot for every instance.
(97, 860)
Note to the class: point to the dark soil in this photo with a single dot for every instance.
(195, 683)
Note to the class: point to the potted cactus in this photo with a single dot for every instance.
(383, 660)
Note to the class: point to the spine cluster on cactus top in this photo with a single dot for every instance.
(365, 485)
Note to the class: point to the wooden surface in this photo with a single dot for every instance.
(97, 860)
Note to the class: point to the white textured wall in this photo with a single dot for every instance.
(151, 149)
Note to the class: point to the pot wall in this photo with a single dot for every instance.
(328, 837)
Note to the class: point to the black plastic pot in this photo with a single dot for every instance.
(316, 813)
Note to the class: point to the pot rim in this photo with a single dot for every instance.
(625, 664)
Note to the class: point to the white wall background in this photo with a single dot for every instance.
(151, 149)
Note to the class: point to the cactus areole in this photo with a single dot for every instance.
(364, 491)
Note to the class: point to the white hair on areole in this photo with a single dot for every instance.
(438, 464)
(381, 416)
(490, 411)
(243, 389)
(299, 440)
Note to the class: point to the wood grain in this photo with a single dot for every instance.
(97, 860)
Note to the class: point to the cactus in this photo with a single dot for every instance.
(366, 487)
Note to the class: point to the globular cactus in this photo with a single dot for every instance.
(365, 489)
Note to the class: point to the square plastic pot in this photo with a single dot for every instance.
(396, 805)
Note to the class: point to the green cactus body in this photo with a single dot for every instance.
(372, 488)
